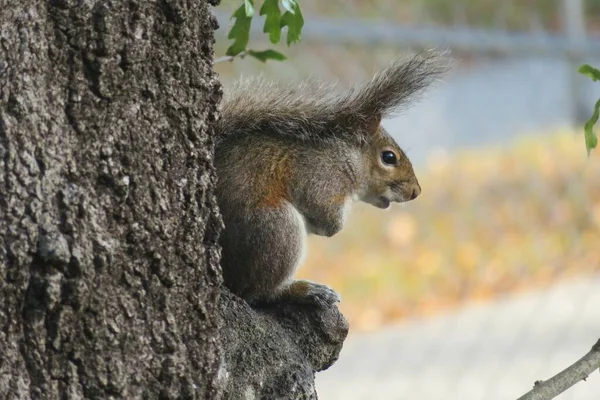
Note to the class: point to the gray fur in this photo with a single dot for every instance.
(323, 173)
(318, 112)
(262, 248)
(261, 252)
(290, 159)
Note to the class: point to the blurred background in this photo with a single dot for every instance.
(490, 280)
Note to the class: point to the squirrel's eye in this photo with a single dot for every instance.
(389, 158)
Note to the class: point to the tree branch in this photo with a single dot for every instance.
(580, 370)
(229, 58)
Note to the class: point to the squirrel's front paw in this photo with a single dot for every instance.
(313, 293)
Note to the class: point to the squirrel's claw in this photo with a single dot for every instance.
(320, 295)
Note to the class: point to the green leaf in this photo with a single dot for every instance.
(270, 8)
(590, 71)
(248, 4)
(240, 31)
(294, 22)
(289, 5)
(591, 140)
(267, 55)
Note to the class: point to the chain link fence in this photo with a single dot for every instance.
(490, 280)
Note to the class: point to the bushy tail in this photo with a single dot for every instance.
(395, 87)
(317, 112)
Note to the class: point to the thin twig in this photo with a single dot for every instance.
(580, 370)
(229, 58)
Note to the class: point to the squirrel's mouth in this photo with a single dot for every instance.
(377, 201)
(383, 202)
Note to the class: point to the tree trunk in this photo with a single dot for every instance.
(109, 279)
(109, 275)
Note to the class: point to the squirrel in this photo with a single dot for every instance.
(291, 160)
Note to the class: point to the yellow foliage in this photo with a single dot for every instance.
(402, 229)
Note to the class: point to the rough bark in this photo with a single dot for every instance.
(273, 353)
(109, 275)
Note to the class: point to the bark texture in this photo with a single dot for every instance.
(109, 279)
(273, 353)
(109, 273)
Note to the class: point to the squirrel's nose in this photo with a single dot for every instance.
(416, 191)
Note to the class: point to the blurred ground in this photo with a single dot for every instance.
(490, 221)
(482, 352)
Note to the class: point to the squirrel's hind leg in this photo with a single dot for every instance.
(287, 252)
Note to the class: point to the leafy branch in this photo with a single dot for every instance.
(275, 21)
(591, 140)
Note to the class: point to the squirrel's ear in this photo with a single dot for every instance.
(373, 125)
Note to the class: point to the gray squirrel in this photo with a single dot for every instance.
(291, 160)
